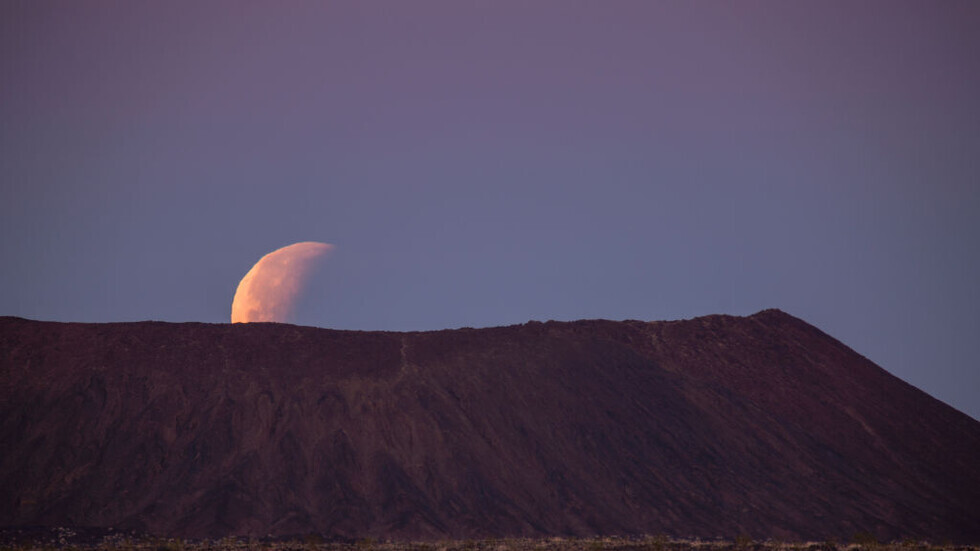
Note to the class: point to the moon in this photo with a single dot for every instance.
(269, 290)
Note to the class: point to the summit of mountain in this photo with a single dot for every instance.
(714, 426)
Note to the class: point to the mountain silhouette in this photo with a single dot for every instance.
(717, 426)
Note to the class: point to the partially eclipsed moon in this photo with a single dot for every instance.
(269, 290)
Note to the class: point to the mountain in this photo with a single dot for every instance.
(717, 426)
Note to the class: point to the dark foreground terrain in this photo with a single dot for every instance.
(719, 426)
(65, 539)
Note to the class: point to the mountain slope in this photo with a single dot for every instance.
(715, 426)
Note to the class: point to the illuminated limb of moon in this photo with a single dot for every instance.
(268, 292)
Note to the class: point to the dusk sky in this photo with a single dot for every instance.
(488, 163)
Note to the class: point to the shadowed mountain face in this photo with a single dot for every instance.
(716, 426)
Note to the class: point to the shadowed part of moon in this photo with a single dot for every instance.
(268, 292)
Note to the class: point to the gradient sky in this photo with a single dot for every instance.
(487, 163)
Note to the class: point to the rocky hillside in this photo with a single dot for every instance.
(760, 426)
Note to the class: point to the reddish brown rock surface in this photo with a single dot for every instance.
(715, 426)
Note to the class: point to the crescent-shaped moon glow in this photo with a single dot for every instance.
(269, 290)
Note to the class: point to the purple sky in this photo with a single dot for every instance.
(487, 163)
